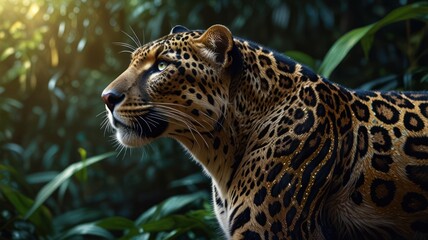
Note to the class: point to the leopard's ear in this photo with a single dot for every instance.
(178, 29)
(215, 44)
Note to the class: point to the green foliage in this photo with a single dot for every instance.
(365, 34)
(57, 56)
(158, 222)
(41, 218)
(60, 179)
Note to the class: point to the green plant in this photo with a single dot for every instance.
(365, 35)
(159, 222)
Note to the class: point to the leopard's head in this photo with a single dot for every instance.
(177, 86)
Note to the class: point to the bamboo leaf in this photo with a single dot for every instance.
(365, 34)
(50, 187)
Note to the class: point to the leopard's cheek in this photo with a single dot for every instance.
(162, 86)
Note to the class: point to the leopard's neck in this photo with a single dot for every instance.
(216, 147)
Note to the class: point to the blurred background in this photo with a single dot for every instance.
(57, 56)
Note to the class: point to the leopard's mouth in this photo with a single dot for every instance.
(138, 130)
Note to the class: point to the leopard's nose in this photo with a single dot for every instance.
(112, 98)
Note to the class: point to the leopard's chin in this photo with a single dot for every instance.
(140, 131)
(130, 139)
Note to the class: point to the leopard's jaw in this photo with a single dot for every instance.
(138, 132)
(130, 139)
(123, 134)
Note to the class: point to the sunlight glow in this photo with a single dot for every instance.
(54, 53)
(34, 9)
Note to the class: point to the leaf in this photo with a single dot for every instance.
(115, 223)
(10, 105)
(54, 79)
(83, 153)
(75, 217)
(41, 218)
(180, 224)
(365, 34)
(81, 45)
(61, 28)
(424, 78)
(169, 223)
(388, 82)
(168, 207)
(340, 49)
(6, 53)
(13, 147)
(412, 11)
(15, 176)
(302, 57)
(189, 181)
(41, 177)
(48, 157)
(59, 93)
(157, 219)
(86, 229)
(82, 175)
(50, 187)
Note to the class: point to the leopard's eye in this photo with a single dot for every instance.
(162, 65)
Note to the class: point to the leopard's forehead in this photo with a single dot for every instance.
(171, 42)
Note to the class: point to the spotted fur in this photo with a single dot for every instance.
(291, 155)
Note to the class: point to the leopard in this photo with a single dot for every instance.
(290, 154)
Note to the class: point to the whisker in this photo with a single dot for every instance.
(178, 105)
(119, 148)
(102, 112)
(181, 114)
(205, 114)
(136, 37)
(105, 122)
(132, 38)
(126, 45)
(153, 122)
(149, 148)
(126, 51)
(105, 125)
(189, 125)
(140, 117)
(172, 116)
(185, 115)
(191, 130)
